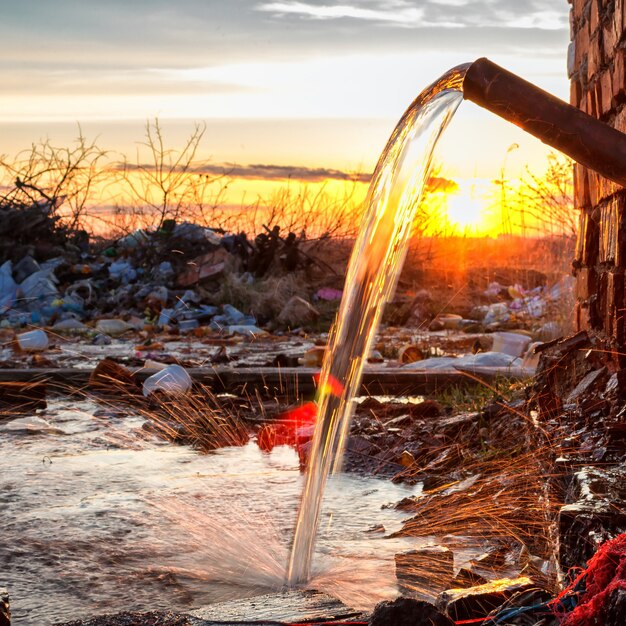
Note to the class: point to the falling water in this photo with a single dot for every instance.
(393, 198)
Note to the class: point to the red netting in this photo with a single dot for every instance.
(606, 572)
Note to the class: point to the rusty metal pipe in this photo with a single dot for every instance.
(585, 139)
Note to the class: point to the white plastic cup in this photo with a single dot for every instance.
(172, 380)
(513, 344)
(33, 341)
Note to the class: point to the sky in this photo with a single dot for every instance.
(309, 85)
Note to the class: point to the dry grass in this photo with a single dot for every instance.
(264, 298)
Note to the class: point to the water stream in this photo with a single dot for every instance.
(391, 208)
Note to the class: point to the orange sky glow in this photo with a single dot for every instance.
(304, 85)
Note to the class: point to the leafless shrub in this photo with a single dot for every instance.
(68, 179)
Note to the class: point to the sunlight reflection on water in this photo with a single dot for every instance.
(97, 518)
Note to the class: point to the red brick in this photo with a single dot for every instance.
(609, 232)
(579, 6)
(619, 75)
(585, 283)
(610, 37)
(581, 43)
(618, 15)
(620, 121)
(594, 16)
(575, 93)
(582, 317)
(591, 106)
(594, 191)
(595, 56)
(607, 188)
(581, 186)
(606, 88)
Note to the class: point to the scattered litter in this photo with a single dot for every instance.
(113, 327)
(172, 380)
(33, 341)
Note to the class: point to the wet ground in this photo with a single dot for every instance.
(100, 517)
(134, 348)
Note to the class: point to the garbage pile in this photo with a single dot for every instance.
(165, 278)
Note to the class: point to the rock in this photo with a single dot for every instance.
(407, 612)
(584, 527)
(5, 609)
(298, 312)
(425, 571)
(377, 528)
(589, 384)
(101, 340)
(477, 602)
(467, 578)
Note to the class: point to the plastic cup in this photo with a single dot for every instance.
(513, 344)
(33, 341)
(172, 380)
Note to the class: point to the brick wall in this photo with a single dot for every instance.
(597, 70)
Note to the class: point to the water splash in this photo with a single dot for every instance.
(393, 198)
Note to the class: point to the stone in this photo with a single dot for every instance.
(477, 602)
(407, 612)
(467, 578)
(298, 312)
(426, 571)
(588, 384)
(5, 609)
(594, 516)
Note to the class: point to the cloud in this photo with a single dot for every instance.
(404, 15)
(271, 172)
(526, 14)
(78, 80)
(284, 172)
(435, 184)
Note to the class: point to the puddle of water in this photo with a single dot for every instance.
(98, 518)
